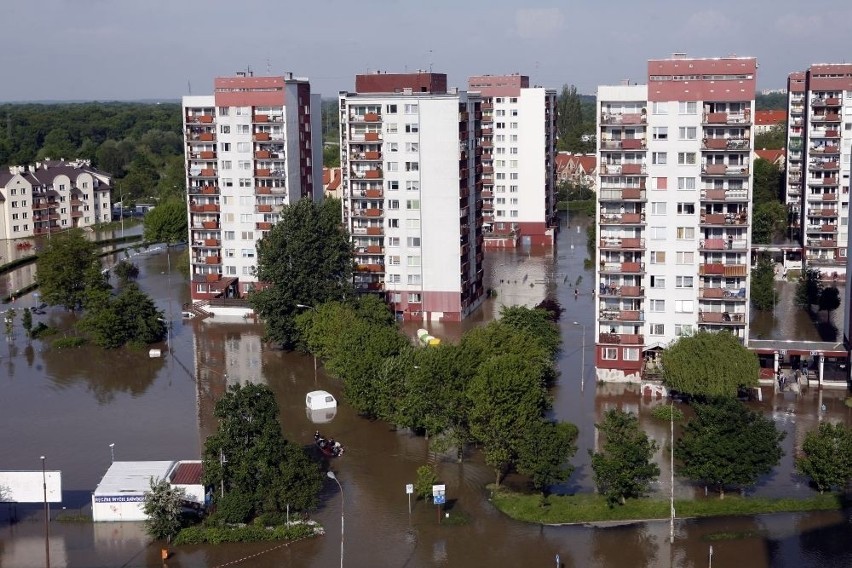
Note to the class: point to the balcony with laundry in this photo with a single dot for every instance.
(624, 214)
(731, 113)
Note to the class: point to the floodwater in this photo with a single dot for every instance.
(69, 406)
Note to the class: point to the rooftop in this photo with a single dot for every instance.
(132, 476)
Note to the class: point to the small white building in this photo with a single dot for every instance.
(119, 495)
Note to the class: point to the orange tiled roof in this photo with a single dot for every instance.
(770, 155)
(769, 117)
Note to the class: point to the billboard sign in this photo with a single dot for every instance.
(28, 486)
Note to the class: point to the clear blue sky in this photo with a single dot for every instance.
(121, 49)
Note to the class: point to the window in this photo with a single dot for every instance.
(658, 233)
(247, 235)
(686, 183)
(413, 260)
(682, 329)
(223, 111)
(245, 182)
(686, 208)
(231, 270)
(630, 353)
(513, 150)
(393, 203)
(412, 185)
(658, 281)
(684, 306)
(658, 257)
(513, 164)
(413, 279)
(513, 125)
(392, 129)
(685, 158)
(412, 204)
(393, 260)
(659, 158)
(412, 166)
(227, 182)
(393, 241)
(393, 223)
(684, 282)
(609, 353)
(685, 257)
(657, 329)
(413, 224)
(513, 189)
(658, 208)
(513, 213)
(226, 165)
(246, 217)
(500, 125)
(685, 233)
(412, 146)
(661, 133)
(245, 164)
(687, 132)
(412, 127)
(657, 305)
(660, 183)
(243, 147)
(248, 253)
(414, 298)
(393, 166)
(414, 241)
(393, 185)
(393, 147)
(224, 129)
(229, 235)
(660, 108)
(394, 278)
(687, 107)
(243, 129)
(410, 108)
(501, 201)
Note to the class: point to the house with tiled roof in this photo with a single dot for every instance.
(52, 196)
(331, 182)
(576, 168)
(764, 120)
(776, 157)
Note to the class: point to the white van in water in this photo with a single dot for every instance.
(320, 400)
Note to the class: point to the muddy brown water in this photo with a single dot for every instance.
(69, 406)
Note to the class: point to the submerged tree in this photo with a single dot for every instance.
(163, 505)
(709, 364)
(827, 457)
(61, 267)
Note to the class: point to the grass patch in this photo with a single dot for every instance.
(736, 535)
(589, 507)
(68, 342)
(201, 534)
(667, 412)
(73, 518)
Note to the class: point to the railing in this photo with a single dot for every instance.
(724, 219)
(623, 291)
(623, 243)
(722, 244)
(724, 170)
(621, 338)
(630, 118)
(623, 267)
(724, 194)
(722, 293)
(721, 317)
(623, 194)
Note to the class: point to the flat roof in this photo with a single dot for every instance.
(132, 476)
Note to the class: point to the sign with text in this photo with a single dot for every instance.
(439, 494)
(409, 488)
(119, 498)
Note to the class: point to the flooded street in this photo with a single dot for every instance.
(70, 406)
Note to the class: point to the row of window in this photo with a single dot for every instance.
(502, 201)
(412, 279)
(628, 353)
(409, 146)
(502, 189)
(661, 133)
(409, 166)
(502, 213)
(502, 150)
(681, 306)
(413, 298)
(24, 191)
(680, 329)
(245, 253)
(410, 185)
(502, 125)
(394, 260)
(410, 204)
(410, 128)
(684, 208)
(410, 241)
(240, 128)
(683, 158)
(681, 257)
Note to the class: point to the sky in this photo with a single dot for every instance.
(160, 49)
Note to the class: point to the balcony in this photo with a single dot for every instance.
(262, 137)
(621, 338)
(621, 315)
(737, 294)
(622, 267)
(740, 218)
(622, 219)
(733, 144)
(622, 243)
(724, 195)
(824, 133)
(263, 155)
(626, 118)
(623, 144)
(827, 101)
(826, 117)
(210, 224)
(622, 291)
(823, 166)
(719, 269)
(727, 117)
(825, 149)
(722, 244)
(263, 226)
(824, 212)
(625, 194)
(212, 260)
(372, 137)
(371, 267)
(204, 208)
(721, 318)
(264, 208)
(831, 196)
(725, 170)
(822, 243)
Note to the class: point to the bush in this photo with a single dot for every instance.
(40, 330)
(426, 478)
(666, 411)
(68, 342)
(234, 507)
(207, 534)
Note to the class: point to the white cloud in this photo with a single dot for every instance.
(794, 25)
(538, 23)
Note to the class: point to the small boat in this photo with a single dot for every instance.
(329, 447)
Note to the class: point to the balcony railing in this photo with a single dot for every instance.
(622, 169)
(622, 243)
(725, 144)
(632, 118)
(624, 194)
(622, 219)
(724, 194)
(622, 291)
(621, 338)
(721, 317)
(609, 314)
(724, 170)
(822, 243)
(740, 218)
(727, 117)
(722, 293)
(722, 244)
(623, 267)
(720, 269)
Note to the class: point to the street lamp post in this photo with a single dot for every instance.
(334, 477)
(583, 358)
(112, 452)
(46, 515)
(307, 307)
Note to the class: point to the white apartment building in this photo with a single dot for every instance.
(674, 181)
(411, 181)
(819, 140)
(252, 147)
(518, 160)
(52, 196)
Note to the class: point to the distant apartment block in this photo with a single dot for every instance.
(411, 184)
(818, 140)
(518, 160)
(251, 148)
(674, 194)
(52, 196)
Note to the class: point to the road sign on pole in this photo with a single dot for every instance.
(439, 494)
(409, 489)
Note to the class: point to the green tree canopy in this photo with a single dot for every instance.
(768, 182)
(249, 457)
(534, 323)
(544, 450)
(166, 223)
(827, 457)
(763, 295)
(774, 139)
(770, 222)
(709, 364)
(728, 444)
(61, 267)
(305, 259)
(808, 288)
(623, 468)
(163, 503)
(829, 300)
(130, 317)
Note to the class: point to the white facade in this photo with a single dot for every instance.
(674, 215)
(250, 150)
(413, 221)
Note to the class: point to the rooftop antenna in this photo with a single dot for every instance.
(430, 61)
(268, 67)
(189, 87)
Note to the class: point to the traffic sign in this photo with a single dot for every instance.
(439, 494)
(409, 488)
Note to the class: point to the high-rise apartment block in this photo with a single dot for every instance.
(817, 185)
(674, 194)
(52, 196)
(252, 147)
(518, 160)
(411, 182)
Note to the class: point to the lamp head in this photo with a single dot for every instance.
(331, 475)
